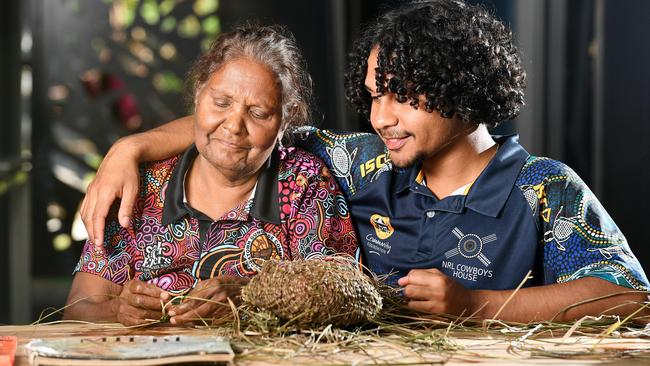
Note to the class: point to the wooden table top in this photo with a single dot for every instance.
(486, 349)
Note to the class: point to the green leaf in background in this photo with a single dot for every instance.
(189, 27)
(123, 13)
(166, 6)
(211, 25)
(93, 160)
(168, 24)
(149, 12)
(167, 82)
(205, 7)
(19, 178)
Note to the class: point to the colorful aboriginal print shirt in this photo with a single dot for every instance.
(522, 213)
(296, 211)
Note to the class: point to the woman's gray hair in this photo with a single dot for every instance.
(273, 46)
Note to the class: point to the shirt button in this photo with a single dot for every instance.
(431, 214)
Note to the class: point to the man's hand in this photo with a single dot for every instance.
(139, 303)
(117, 177)
(209, 299)
(431, 291)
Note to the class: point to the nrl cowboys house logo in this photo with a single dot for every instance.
(470, 246)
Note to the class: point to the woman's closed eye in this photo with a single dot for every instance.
(258, 114)
(221, 103)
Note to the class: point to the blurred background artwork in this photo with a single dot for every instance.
(76, 75)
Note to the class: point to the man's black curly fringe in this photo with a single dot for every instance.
(458, 56)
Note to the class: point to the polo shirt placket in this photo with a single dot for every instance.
(223, 257)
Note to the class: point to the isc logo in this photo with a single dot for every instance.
(373, 164)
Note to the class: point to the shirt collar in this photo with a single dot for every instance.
(491, 189)
(460, 191)
(405, 177)
(265, 205)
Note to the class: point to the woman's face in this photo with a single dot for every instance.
(238, 117)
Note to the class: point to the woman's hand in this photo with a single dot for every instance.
(208, 300)
(140, 302)
(117, 177)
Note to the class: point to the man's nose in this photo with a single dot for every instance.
(382, 114)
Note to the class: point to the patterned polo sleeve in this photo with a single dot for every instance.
(319, 222)
(580, 239)
(113, 263)
(355, 159)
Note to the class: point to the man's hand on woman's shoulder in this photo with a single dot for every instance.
(117, 178)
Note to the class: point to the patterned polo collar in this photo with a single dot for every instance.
(265, 206)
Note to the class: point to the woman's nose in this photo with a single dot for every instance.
(235, 123)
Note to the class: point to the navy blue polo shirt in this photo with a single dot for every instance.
(522, 213)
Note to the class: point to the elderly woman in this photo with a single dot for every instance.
(206, 219)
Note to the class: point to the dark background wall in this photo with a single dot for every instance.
(13, 187)
(622, 147)
(90, 76)
(9, 127)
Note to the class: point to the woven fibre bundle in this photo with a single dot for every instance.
(314, 292)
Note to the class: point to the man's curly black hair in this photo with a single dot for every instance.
(458, 56)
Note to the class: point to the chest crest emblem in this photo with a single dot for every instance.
(382, 226)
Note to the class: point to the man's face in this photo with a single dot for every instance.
(410, 134)
(238, 117)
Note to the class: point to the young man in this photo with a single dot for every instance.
(458, 217)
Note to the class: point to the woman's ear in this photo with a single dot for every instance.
(281, 132)
(293, 112)
(197, 92)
